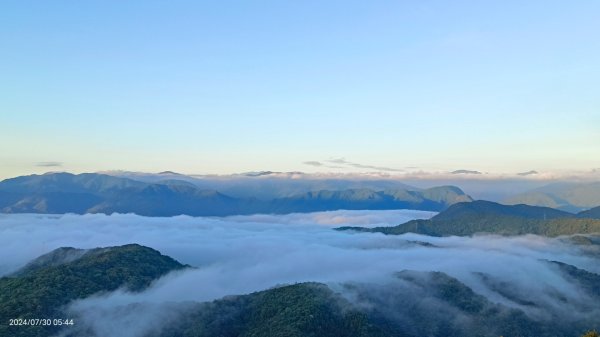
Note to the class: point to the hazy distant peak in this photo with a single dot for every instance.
(568, 196)
(170, 173)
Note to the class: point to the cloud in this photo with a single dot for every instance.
(362, 218)
(320, 164)
(49, 164)
(243, 254)
(465, 172)
(528, 173)
(343, 161)
(94, 230)
(338, 161)
(313, 163)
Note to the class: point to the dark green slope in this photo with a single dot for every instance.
(435, 304)
(307, 309)
(489, 217)
(414, 304)
(483, 209)
(55, 258)
(586, 280)
(43, 287)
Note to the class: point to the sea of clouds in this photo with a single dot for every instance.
(243, 254)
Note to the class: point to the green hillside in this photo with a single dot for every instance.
(489, 217)
(40, 290)
(307, 309)
(414, 304)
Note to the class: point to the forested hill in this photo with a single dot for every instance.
(489, 217)
(45, 285)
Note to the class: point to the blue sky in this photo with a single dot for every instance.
(232, 86)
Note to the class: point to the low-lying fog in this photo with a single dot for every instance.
(191, 240)
(242, 254)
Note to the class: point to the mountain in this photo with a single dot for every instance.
(268, 185)
(490, 217)
(593, 213)
(572, 197)
(305, 309)
(433, 199)
(413, 304)
(60, 193)
(97, 193)
(51, 281)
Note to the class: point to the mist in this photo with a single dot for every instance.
(243, 254)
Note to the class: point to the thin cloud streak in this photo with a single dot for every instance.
(49, 164)
(343, 161)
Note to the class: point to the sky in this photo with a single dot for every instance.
(233, 86)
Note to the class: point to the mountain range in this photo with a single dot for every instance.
(60, 193)
(567, 196)
(489, 217)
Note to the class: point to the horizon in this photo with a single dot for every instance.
(482, 186)
(457, 175)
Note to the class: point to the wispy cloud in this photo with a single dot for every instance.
(528, 173)
(343, 161)
(49, 164)
(313, 163)
(316, 163)
(465, 172)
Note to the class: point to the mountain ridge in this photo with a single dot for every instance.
(567, 196)
(60, 193)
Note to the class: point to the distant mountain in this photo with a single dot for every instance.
(45, 285)
(593, 213)
(97, 193)
(268, 185)
(433, 199)
(490, 217)
(572, 197)
(60, 193)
